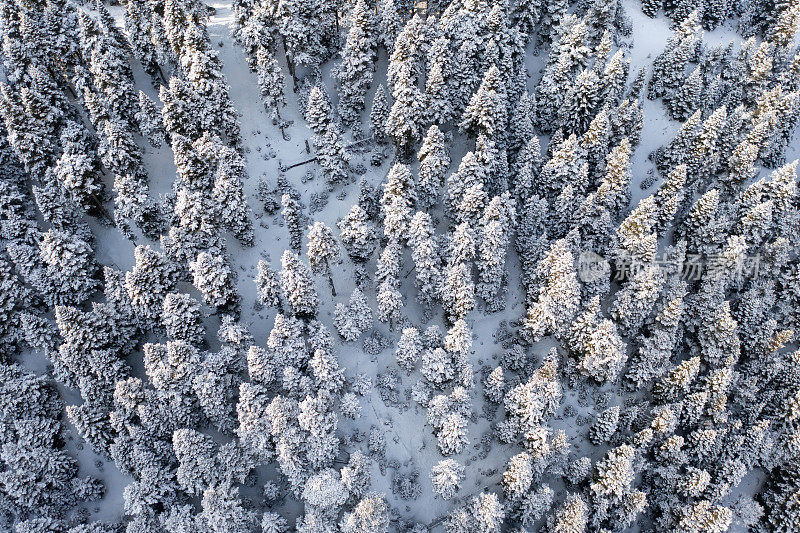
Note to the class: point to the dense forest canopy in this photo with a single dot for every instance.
(376, 265)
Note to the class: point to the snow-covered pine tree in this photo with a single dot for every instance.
(446, 477)
(614, 191)
(408, 349)
(567, 161)
(323, 251)
(150, 122)
(391, 23)
(331, 155)
(487, 111)
(370, 515)
(358, 235)
(212, 276)
(270, 82)
(598, 347)
(580, 103)
(686, 99)
(228, 192)
(297, 285)
(488, 512)
(559, 296)
(319, 114)
(358, 58)
(458, 291)
(292, 216)
(461, 245)
(269, 286)
(425, 254)
(353, 319)
(399, 196)
(390, 301)
(522, 121)
(493, 240)
(438, 106)
(379, 114)
(470, 173)
(405, 119)
(434, 159)
(182, 319)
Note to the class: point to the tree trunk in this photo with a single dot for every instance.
(330, 280)
(307, 161)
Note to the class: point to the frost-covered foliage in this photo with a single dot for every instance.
(563, 300)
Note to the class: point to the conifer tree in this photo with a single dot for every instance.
(214, 279)
(357, 234)
(353, 319)
(399, 196)
(182, 319)
(408, 349)
(470, 173)
(438, 107)
(292, 217)
(270, 82)
(566, 162)
(425, 256)
(598, 347)
(356, 69)
(77, 169)
(379, 114)
(651, 7)
(525, 14)
(446, 477)
(390, 24)
(494, 238)
(462, 246)
(434, 159)
(686, 99)
(615, 75)
(331, 155)
(559, 295)
(458, 291)
(487, 111)
(297, 285)
(580, 102)
(319, 114)
(150, 122)
(404, 121)
(522, 121)
(370, 515)
(323, 251)
(390, 301)
(614, 190)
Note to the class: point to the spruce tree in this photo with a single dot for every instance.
(379, 114)
(686, 99)
(487, 111)
(356, 70)
(434, 159)
(331, 155)
(358, 235)
(292, 216)
(323, 251)
(559, 296)
(319, 114)
(270, 82)
(298, 286)
(150, 122)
